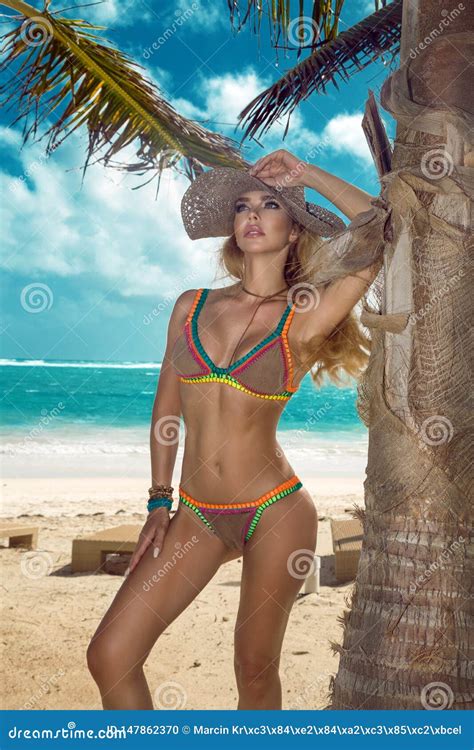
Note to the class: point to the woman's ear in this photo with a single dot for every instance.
(295, 233)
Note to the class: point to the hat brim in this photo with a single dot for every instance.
(208, 205)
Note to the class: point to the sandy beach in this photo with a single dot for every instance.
(50, 613)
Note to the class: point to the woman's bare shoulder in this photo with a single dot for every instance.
(186, 298)
(182, 306)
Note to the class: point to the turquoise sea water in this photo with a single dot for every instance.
(69, 406)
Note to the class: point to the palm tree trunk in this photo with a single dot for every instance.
(408, 637)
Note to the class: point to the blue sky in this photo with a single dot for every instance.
(107, 261)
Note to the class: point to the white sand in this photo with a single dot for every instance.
(48, 620)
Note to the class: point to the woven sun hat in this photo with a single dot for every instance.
(207, 206)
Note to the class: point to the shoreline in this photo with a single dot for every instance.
(71, 496)
(57, 484)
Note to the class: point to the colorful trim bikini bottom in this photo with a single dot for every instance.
(234, 523)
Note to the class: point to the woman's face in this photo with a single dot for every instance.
(261, 222)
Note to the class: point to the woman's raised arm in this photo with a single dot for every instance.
(333, 303)
(287, 169)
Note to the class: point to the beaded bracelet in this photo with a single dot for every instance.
(160, 489)
(158, 502)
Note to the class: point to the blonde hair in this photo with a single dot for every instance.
(347, 348)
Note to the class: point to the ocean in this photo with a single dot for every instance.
(78, 408)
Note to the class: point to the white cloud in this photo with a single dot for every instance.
(344, 135)
(225, 96)
(116, 13)
(125, 238)
(10, 137)
(198, 17)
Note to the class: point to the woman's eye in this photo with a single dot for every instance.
(267, 203)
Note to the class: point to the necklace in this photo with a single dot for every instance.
(263, 298)
(267, 296)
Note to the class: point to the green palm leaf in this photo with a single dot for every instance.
(305, 30)
(65, 74)
(350, 51)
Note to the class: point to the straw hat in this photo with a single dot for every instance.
(207, 206)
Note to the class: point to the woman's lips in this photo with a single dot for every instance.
(254, 233)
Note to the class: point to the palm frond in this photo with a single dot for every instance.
(305, 30)
(351, 51)
(62, 63)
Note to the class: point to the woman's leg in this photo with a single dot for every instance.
(274, 563)
(152, 596)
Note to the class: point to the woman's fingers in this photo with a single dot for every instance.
(266, 162)
(162, 520)
(153, 533)
(278, 164)
(280, 157)
(158, 540)
(267, 172)
(143, 542)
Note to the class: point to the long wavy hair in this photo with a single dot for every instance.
(347, 348)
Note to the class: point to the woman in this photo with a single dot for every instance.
(234, 357)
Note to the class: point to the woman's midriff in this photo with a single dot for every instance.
(230, 454)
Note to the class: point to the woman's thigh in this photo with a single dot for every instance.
(158, 590)
(276, 560)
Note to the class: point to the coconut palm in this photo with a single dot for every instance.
(55, 61)
(60, 62)
(408, 630)
(407, 640)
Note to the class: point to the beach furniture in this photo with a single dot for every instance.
(346, 544)
(19, 536)
(89, 552)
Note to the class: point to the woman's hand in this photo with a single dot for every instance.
(153, 532)
(280, 168)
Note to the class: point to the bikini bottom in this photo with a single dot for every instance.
(234, 523)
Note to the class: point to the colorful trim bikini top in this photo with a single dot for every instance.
(266, 371)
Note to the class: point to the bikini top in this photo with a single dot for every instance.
(266, 371)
